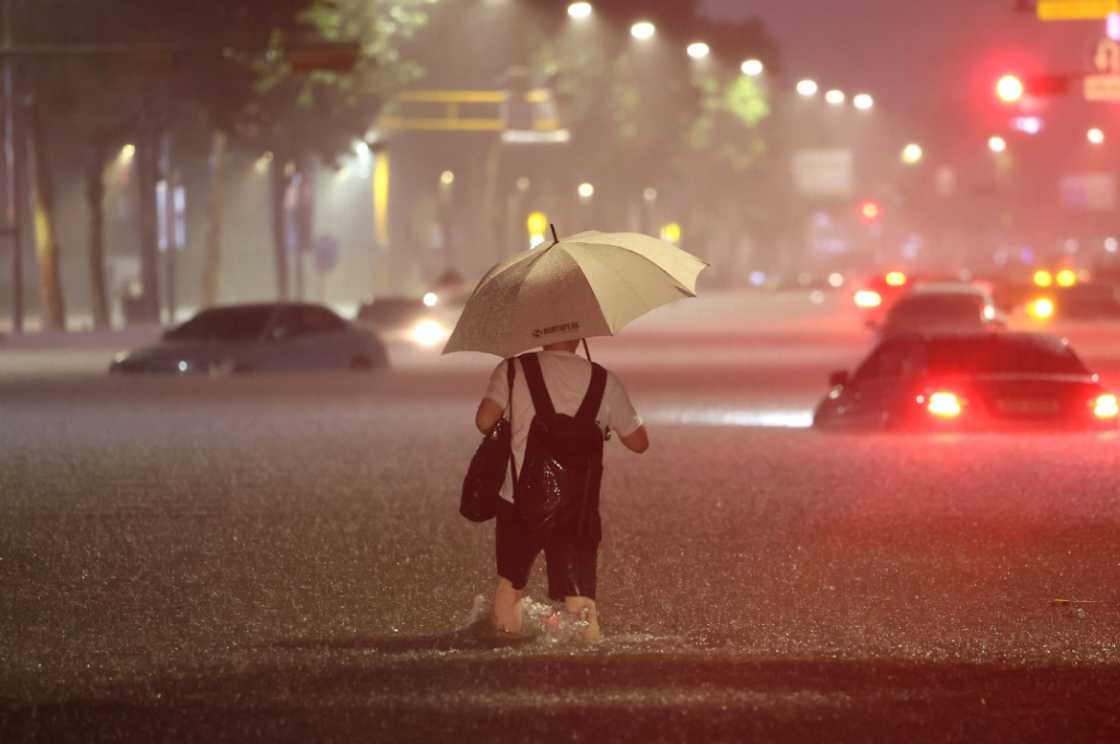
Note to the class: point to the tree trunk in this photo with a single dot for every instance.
(215, 213)
(304, 223)
(147, 171)
(279, 181)
(95, 202)
(52, 304)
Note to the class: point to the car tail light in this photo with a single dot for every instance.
(868, 298)
(944, 405)
(1043, 278)
(1106, 406)
(895, 278)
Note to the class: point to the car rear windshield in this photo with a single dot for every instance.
(941, 307)
(1002, 355)
(226, 324)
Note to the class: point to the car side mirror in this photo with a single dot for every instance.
(838, 378)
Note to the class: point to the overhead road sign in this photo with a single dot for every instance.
(1076, 10)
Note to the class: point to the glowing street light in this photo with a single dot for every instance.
(1095, 136)
(643, 30)
(585, 190)
(447, 178)
(1010, 89)
(997, 144)
(128, 152)
(807, 88)
(863, 102)
(835, 97)
(579, 11)
(650, 194)
(263, 162)
(698, 50)
(752, 67)
(912, 154)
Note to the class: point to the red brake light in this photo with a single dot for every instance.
(944, 405)
(1106, 406)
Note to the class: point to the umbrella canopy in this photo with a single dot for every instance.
(589, 284)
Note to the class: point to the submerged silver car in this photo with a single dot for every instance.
(265, 337)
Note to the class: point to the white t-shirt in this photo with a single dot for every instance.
(566, 376)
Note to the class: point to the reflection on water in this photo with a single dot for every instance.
(772, 418)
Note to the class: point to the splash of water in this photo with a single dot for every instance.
(541, 622)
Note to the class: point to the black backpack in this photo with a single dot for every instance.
(563, 465)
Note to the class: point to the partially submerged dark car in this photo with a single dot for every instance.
(264, 337)
(970, 382)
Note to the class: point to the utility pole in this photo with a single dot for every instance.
(11, 212)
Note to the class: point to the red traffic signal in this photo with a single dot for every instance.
(870, 210)
(1011, 89)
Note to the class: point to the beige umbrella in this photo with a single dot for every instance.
(589, 284)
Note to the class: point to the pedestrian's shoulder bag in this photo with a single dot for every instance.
(563, 464)
(487, 471)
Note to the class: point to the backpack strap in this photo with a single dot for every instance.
(593, 399)
(542, 402)
(511, 373)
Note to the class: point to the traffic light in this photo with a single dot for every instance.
(870, 211)
(1011, 89)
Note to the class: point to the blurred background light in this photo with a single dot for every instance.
(579, 10)
(1031, 125)
(586, 190)
(807, 88)
(643, 30)
(912, 154)
(752, 67)
(863, 102)
(698, 50)
(997, 144)
(1095, 136)
(835, 97)
(1010, 89)
(447, 178)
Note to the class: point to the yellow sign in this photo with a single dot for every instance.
(1076, 10)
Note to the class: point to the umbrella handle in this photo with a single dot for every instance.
(586, 350)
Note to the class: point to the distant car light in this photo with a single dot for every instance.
(1043, 278)
(1041, 308)
(184, 366)
(836, 280)
(428, 333)
(868, 298)
(896, 279)
(1106, 406)
(989, 312)
(431, 299)
(1066, 278)
(944, 405)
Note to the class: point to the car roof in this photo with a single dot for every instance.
(1040, 339)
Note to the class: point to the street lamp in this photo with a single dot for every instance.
(997, 144)
(807, 88)
(752, 67)
(1095, 136)
(643, 30)
(650, 194)
(863, 102)
(698, 50)
(586, 190)
(579, 11)
(447, 178)
(127, 153)
(912, 154)
(835, 97)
